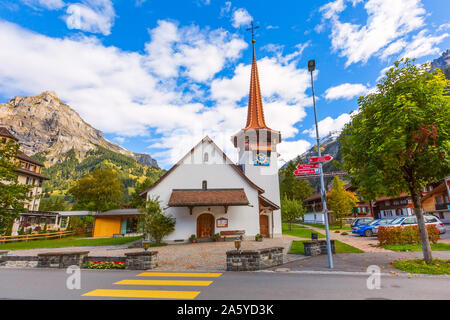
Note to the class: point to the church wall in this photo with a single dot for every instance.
(190, 175)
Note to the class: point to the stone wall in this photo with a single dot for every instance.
(143, 260)
(19, 261)
(250, 260)
(317, 247)
(62, 259)
(106, 259)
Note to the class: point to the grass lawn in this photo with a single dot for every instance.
(297, 247)
(332, 226)
(72, 241)
(436, 266)
(299, 231)
(416, 247)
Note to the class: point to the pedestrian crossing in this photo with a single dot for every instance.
(157, 279)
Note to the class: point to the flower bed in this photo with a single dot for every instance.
(105, 265)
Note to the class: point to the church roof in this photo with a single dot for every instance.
(255, 112)
(6, 133)
(208, 197)
(229, 162)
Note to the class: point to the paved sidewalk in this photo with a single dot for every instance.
(176, 257)
(363, 243)
(357, 262)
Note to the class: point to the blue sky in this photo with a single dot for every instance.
(157, 76)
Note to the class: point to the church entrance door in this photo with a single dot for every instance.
(264, 225)
(205, 226)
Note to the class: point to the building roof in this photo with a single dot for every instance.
(255, 112)
(229, 162)
(207, 197)
(119, 212)
(6, 133)
(24, 157)
(440, 188)
(75, 213)
(267, 203)
(31, 173)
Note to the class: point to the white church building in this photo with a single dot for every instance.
(207, 193)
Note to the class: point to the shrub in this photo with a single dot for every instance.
(406, 235)
(344, 233)
(154, 222)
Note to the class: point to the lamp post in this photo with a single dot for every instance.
(311, 68)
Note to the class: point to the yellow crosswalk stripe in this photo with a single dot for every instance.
(166, 282)
(179, 274)
(143, 294)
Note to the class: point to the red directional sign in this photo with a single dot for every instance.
(320, 159)
(307, 166)
(306, 171)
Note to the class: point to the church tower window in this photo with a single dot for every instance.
(204, 184)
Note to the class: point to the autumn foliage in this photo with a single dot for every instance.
(406, 235)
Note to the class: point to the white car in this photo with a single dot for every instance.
(411, 221)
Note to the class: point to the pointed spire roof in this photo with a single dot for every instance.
(255, 114)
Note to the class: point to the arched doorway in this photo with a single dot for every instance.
(205, 226)
(264, 225)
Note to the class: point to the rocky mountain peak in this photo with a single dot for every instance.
(45, 123)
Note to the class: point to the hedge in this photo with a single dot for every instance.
(406, 235)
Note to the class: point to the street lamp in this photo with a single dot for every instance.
(311, 68)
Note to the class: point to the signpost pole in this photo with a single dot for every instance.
(311, 67)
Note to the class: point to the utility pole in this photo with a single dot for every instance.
(311, 68)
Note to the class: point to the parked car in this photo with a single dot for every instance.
(369, 230)
(361, 221)
(412, 221)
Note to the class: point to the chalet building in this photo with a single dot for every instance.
(387, 207)
(207, 193)
(437, 202)
(29, 173)
(314, 214)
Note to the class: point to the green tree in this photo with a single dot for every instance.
(290, 186)
(100, 190)
(400, 140)
(340, 201)
(53, 203)
(13, 195)
(155, 223)
(136, 200)
(291, 210)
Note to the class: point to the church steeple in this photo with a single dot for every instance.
(255, 113)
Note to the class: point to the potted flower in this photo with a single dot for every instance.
(259, 237)
(193, 238)
(216, 237)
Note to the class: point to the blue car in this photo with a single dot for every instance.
(367, 229)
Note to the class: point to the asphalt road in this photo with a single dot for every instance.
(51, 284)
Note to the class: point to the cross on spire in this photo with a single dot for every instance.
(252, 29)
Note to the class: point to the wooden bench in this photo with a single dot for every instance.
(235, 234)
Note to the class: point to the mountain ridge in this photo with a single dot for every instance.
(56, 128)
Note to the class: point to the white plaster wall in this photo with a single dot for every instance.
(218, 174)
(309, 218)
(266, 177)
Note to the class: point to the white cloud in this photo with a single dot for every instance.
(387, 21)
(345, 91)
(225, 9)
(122, 94)
(393, 48)
(47, 4)
(444, 26)
(241, 18)
(200, 54)
(285, 59)
(328, 125)
(423, 45)
(288, 150)
(96, 16)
